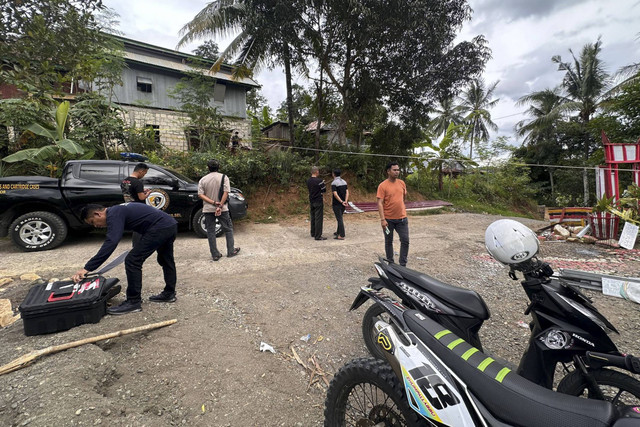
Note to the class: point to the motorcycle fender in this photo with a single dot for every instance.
(361, 298)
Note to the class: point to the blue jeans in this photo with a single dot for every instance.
(227, 228)
(155, 240)
(401, 226)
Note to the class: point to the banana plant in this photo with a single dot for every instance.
(52, 153)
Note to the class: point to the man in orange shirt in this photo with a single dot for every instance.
(393, 215)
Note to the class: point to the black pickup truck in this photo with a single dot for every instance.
(38, 211)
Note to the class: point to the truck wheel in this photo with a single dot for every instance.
(200, 228)
(38, 231)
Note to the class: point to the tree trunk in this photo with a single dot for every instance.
(287, 72)
(585, 183)
(551, 181)
(319, 118)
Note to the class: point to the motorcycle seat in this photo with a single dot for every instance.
(464, 299)
(509, 397)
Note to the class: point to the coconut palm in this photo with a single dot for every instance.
(476, 100)
(545, 111)
(446, 112)
(585, 86)
(263, 34)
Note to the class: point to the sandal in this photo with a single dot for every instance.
(217, 257)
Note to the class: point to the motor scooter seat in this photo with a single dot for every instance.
(463, 299)
(509, 397)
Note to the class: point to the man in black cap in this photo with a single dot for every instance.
(157, 233)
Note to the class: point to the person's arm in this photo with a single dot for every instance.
(383, 221)
(115, 230)
(345, 202)
(226, 188)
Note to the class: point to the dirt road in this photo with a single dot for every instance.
(206, 370)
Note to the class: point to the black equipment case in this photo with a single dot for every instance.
(58, 306)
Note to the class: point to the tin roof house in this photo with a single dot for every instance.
(150, 75)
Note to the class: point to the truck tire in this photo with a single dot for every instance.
(199, 227)
(38, 231)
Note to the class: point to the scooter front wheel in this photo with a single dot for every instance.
(618, 388)
(369, 332)
(366, 392)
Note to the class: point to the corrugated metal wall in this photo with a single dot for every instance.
(234, 99)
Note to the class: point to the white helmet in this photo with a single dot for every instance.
(510, 242)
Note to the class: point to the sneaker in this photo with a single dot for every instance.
(163, 297)
(234, 253)
(126, 307)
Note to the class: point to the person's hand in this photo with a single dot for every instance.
(384, 224)
(147, 191)
(218, 211)
(80, 274)
(345, 204)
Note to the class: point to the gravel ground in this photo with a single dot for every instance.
(206, 370)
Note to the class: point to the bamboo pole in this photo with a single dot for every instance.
(29, 358)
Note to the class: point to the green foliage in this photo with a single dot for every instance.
(52, 155)
(47, 44)
(247, 170)
(205, 127)
(603, 204)
(97, 124)
(504, 187)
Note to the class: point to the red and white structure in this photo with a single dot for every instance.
(607, 183)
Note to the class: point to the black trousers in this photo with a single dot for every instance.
(316, 219)
(156, 240)
(338, 210)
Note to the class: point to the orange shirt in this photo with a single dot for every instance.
(392, 195)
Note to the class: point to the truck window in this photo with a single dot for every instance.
(156, 177)
(100, 172)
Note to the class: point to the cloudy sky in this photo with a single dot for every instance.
(523, 36)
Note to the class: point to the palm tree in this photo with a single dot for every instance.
(585, 85)
(476, 102)
(263, 33)
(545, 110)
(446, 112)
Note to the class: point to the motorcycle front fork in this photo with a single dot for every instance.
(594, 388)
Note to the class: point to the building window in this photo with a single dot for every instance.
(218, 92)
(153, 131)
(143, 84)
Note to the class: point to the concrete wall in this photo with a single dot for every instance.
(172, 124)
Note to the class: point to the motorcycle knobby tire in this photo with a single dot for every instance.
(356, 375)
(575, 384)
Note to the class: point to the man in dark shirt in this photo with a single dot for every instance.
(158, 232)
(340, 198)
(316, 188)
(132, 186)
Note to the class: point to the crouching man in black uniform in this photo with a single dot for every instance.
(158, 232)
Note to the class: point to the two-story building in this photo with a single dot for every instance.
(152, 72)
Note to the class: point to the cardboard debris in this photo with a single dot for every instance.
(6, 313)
(561, 231)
